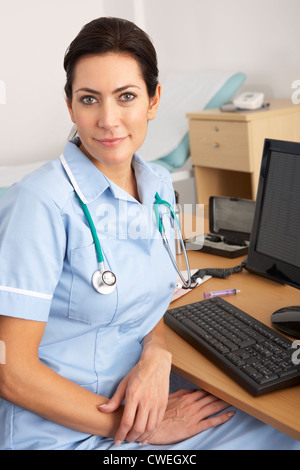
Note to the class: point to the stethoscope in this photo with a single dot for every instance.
(159, 218)
(104, 281)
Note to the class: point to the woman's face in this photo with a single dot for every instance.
(111, 107)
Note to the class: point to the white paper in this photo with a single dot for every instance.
(180, 292)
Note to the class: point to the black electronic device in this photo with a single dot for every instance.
(274, 248)
(230, 222)
(287, 319)
(253, 354)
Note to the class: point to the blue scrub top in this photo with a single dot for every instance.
(47, 261)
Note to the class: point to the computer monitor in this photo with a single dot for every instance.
(274, 249)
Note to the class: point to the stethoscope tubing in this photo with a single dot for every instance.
(98, 249)
(158, 201)
(186, 284)
(98, 278)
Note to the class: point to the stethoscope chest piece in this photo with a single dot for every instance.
(104, 282)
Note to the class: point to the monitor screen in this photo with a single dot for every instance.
(274, 249)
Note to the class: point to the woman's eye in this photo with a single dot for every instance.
(88, 100)
(127, 96)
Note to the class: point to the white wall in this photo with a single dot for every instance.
(260, 38)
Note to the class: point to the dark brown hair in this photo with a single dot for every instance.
(105, 35)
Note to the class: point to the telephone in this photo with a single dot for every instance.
(249, 100)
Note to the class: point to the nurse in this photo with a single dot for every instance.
(74, 356)
(85, 370)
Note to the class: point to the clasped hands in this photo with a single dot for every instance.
(152, 415)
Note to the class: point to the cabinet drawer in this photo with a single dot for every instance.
(219, 144)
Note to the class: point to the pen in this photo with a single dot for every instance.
(220, 293)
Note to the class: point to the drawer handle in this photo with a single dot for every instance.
(215, 145)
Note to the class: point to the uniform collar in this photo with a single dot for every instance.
(86, 179)
(148, 180)
(90, 183)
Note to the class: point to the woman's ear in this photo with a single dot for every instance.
(70, 109)
(154, 103)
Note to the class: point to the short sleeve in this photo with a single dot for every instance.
(32, 246)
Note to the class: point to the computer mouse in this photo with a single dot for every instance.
(287, 320)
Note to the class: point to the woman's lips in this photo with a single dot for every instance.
(111, 142)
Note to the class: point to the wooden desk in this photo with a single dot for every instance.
(259, 297)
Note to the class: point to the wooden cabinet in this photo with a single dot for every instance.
(226, 147)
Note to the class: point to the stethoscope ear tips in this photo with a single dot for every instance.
(104, 282)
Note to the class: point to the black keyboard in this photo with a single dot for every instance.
(253, 354)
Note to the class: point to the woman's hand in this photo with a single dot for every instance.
(188, 413)
(145, 390)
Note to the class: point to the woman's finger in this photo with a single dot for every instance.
(144, 425)
(126, 423)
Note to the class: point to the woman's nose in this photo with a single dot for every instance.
(108, 116)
